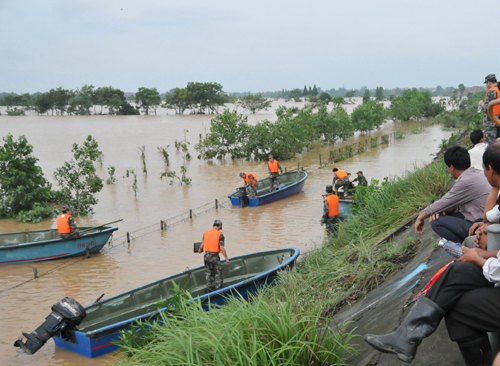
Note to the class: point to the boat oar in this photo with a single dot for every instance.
(99, 299)
(100, 226)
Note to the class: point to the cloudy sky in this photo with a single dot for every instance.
(246, 45)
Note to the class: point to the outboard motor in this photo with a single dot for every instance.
(242, 194)
(66, 315)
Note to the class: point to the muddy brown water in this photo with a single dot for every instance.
(292, 222)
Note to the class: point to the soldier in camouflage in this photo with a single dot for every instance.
(360, 179)
(330, 220)
(213, 242)
(490, 127)
(66, 225)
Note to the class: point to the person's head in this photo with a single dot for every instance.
(335, 170)
(243, 175)
(490, 80)
(218, 224)
(491, 163)
(329, 189)
(66, 210)
(457, 160)
(359, 173)
(349, 174)
(476, 136)
(271, 158)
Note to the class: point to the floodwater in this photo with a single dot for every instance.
(153, 254)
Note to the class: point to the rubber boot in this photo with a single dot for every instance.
(421, 322)
(477, 352)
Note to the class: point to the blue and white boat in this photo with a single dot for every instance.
(43, 245)
(290, 183)
(98, 333)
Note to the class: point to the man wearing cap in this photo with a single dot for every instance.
(273, 166)
(360, 179)
(490, 127)
(250, 183)
(330, 220)
(213, 244)
(66, 224)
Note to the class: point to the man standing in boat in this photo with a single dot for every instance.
(250, 183)
(274, 168)
(66, 224)
(330, 211)
(213, 244)
(340, 179)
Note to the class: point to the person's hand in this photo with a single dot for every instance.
(419, 226)
(471, 255)
(481, 103)
(474, 227)
(436, 216)
(322, 223)
(227, 262)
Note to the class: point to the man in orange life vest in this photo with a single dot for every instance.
(213, 243)
(250, 183)
(340, 179)
(273, 166)
(330, 211)
(490, 127)
(66, 224)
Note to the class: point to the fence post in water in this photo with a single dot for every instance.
(35, 272)
(87, 251)
(216, 204)
(285, 169)
(128, 237)
(320, 160)
(298, 165)
(161, 225)
(190, 213)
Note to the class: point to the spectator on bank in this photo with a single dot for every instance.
(476, 153)
(452, 216)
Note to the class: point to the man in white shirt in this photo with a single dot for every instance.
(476, 153)
(466, 294)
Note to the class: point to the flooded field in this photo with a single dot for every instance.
(154, 254)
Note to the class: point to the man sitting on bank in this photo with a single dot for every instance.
(66, 224)
(250, 183)
(452, 216)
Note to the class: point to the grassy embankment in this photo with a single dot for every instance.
(281, 326)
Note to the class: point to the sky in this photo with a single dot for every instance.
(251, 46)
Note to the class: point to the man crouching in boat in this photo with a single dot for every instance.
(213, 244)
(66, 225)
(250, 183)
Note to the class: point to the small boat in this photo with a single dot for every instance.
(344, 209)
(43, 245)
(290, 183)
(99, 331)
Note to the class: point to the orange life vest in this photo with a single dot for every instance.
(273, 167)
(340, 174)
(63, 225)
(211, 241)
(496, 109)
(247, 179)
(333, 205)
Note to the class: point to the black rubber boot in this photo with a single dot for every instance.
(421, 322)
(477, 352)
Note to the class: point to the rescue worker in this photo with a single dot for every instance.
(250, 183)
(360, 179)
(340, 179)
(273, 166)
(213, 244)
(330, 211)
(66, 224)
(490, 127)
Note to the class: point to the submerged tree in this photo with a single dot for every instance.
(148, 99)
(24, 192)
(255, 102)
(78, 178)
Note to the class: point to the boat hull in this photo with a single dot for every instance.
(104, 340)
(286, 191)
(43, 250)
(344, 208)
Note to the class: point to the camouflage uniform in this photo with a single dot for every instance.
(332, 222)
(75, 234)
(251, 191)
(490, 127)
(361, 181)
(275, 181)
(213, 269)
(344, 182)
